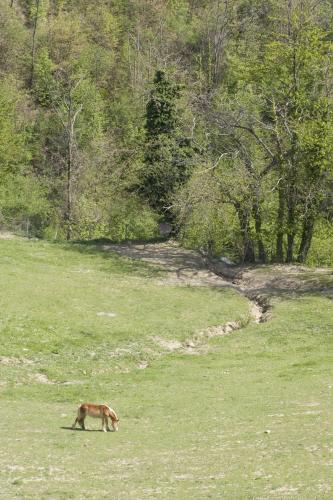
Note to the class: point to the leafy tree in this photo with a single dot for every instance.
(72, 119)
(296, 122)
(14, 151)
(13, 38)
(275, 120)
(238, 156)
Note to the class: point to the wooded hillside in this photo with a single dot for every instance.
(212, 115)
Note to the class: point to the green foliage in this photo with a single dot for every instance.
(14, 153)
(23, 204)
(167, 154)
(272, 119)
(132, 97)
(36, 8)
(117, 219)
(131, 220)
(44, 82)
(212, 229)
(161, 116)
(205, 221)
(13, 39)
(21, 196)
(321, 251)
(165, 172)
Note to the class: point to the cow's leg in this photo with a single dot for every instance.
(76, 421)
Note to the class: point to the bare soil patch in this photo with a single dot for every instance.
(274, 280)
(6, 360)
(6, 235)
(41, 378)
(182, 266)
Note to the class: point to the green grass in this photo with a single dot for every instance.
(56, 300)
(250, 418)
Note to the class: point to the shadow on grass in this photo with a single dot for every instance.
(146, 257)
(295, 289)
(268, 280)
(113, 261)
(277, 281)
(80, 430)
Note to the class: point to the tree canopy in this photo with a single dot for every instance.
(212, 115)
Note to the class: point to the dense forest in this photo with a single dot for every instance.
(214, 116)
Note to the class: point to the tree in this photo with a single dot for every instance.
(71, 117)
(277, 121)
(36, 11)
(250, 128)
(13, 37)
(14, 150)
(294, 81)
(167, 153)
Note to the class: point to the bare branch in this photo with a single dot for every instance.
(215, 164)
(255, 135)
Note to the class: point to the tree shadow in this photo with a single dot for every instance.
(115, 262)
(285, 281)
(143, 259)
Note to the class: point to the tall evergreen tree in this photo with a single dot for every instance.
(167, 152)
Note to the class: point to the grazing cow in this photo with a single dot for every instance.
(97, 411)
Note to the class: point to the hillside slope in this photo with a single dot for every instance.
(248, 416)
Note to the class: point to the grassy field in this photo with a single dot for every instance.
(248, 417)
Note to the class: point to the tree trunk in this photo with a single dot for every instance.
(257, 218)
(72, 115)
(280, 224)
(33, 48)
(68, 216)
(306, 239)
(290, 248)
(70, 138)
(244, 222)
(291, 226)
(219, 40)
(291, 201)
